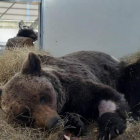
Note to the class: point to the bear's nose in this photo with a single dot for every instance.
(53, 122)
(25, 117)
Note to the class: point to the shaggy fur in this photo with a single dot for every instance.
(48, 87)
(129, 85)
(27, 33)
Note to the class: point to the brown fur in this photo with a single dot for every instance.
(49, 86)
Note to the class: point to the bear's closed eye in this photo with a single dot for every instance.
(42, 100)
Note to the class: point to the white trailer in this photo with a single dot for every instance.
(111, 26)
(66, 26)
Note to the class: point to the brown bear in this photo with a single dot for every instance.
(83, 82)
(25, 37)
(27, 31)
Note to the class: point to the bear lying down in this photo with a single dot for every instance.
(86, 83)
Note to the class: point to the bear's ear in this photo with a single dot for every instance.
(32, 65)
(21, 24)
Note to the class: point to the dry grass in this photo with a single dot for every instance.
(132, 132)
(131, 58)
(10, 63)
(12, 60)
(15, 132)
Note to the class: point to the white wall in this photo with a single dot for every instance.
(111, 26)
(5, 34)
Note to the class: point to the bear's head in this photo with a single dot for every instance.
(30, 97)
(27, 32)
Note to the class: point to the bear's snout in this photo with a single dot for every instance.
(53, 122)
(45, 117)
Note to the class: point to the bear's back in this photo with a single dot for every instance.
(89, 65)
(104, 66)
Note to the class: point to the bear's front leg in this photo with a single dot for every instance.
(110, 126)
(113, 112)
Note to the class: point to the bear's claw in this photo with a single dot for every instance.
(110, 126)
(77, 126)
(117, 131)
